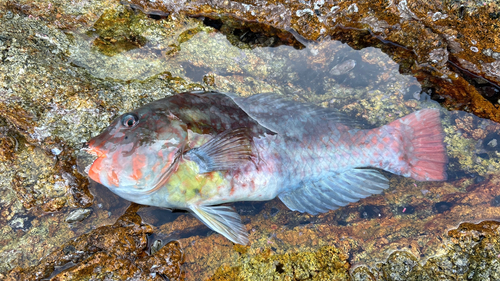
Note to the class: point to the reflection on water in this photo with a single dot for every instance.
(321, 69)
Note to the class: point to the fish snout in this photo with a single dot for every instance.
(85, 158)
(90, 148)
(87, 147)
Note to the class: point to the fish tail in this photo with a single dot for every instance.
(421, 150)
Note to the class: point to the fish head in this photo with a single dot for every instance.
(138, 151)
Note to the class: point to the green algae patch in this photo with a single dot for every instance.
(123, 29)
(119, 31)
(328, 263)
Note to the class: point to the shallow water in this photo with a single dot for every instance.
(364, 84)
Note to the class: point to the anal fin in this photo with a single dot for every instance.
(224, 220)
(334, 191)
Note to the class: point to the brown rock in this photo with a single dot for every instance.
(116, 252)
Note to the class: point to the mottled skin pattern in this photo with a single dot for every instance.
(133, 161)
(306, 155)
(287, 162)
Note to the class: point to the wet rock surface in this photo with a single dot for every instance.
(449, 44)
(78, 215)
(109, 252)
(325, 264)
(67, 68)
(471, 253)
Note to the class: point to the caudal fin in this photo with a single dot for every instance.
(424, 152)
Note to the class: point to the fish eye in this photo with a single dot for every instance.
(129, 120)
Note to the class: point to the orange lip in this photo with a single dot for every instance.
(93, 150)
(95, 170)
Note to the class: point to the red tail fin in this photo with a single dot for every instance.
(422, 137)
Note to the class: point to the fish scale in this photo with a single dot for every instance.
(305, 159)
(310, 161)
(196, 150)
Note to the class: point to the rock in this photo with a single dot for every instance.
(114, 252)
(78, 215)
(326, 264)
(472, 253)
(406, 25)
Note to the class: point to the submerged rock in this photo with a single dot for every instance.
(472, 252)
(434, 36)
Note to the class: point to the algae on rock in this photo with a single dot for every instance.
(328, 263)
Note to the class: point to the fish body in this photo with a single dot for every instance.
(196, 150)
(343, 67)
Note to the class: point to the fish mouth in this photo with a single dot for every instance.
(92, 150)
(85, 159)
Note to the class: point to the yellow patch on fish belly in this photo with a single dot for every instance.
(187, 185)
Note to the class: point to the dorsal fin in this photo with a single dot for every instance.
(209, 113)
(335, 191)
(280, 114)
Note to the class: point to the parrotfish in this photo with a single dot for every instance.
(197, 150)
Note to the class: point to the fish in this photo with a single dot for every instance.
(198, 150)
(343, 68)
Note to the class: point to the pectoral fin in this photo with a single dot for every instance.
(225, 151)
(224, 220)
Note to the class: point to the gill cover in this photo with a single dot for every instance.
(138, 150)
